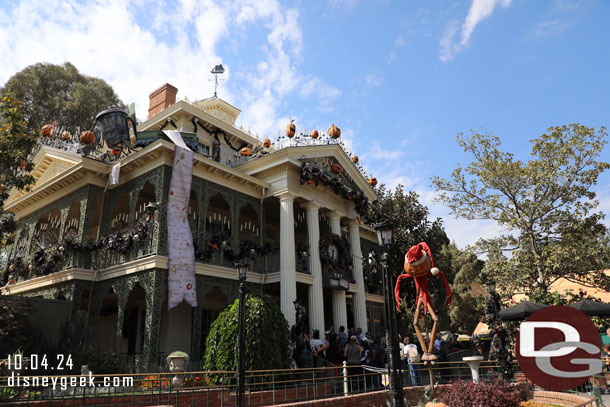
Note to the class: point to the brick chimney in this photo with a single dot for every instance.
(161, 98)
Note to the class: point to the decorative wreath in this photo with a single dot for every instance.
(343, 265)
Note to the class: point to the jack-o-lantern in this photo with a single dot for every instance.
(372, 181)
(355, 159)
(336, 168)
(87, 137)
(266, 143)
(22, 164)
(47, 131)
(315, 134)
(65, 136)
(419, 265)
(291, 129)
(334, 131)
(246, 152)
(116, 151)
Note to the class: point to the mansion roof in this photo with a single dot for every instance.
(59, 172)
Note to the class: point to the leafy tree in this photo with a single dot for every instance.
(15, 145)
(267, 337)
(15, 328)
(60, 93)
(412, 226)
(467, 308)
(546, 204)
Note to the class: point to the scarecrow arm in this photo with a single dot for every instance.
(397, 289)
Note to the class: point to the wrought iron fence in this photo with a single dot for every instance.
(215, 388)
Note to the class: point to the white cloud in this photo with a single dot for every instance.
(546, 29)
(479, 10)
(373, 81)
(343, 4)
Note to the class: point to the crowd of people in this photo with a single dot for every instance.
(366, 356)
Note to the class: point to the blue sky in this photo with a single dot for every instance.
(400, 78)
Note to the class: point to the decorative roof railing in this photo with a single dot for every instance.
(299, 140)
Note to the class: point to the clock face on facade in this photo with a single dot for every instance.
(333, 253)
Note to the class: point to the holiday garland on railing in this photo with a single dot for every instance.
(222, 243)
(43, 263)
(314, 175)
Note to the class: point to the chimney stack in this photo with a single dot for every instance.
(161, 98)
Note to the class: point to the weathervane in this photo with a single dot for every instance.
(218, 69)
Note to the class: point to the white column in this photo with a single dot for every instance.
(339, 307)
(359, 297)
(316, 295)
(288, 280)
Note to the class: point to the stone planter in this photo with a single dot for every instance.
(177, 362)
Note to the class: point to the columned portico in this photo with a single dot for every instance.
(359, 296)
(339, 307)
(316, 295)
(288, 281)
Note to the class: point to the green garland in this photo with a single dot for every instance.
(343, 265)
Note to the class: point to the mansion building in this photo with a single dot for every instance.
(291, 206)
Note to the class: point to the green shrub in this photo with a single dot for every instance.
(267, 337)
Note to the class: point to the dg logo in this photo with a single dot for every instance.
(559, 348)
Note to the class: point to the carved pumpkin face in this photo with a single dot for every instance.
(87, 137)
(336, 168)
(47, 130)
(315, 134)
(65, 135)
(291, 129)
(334, 131)
(355, 159)
(372, 181)
(246, 152)
(266, 143)
(420, 270)
(116, 151)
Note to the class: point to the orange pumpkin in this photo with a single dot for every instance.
(22, 164)
(266, 143)
(334, 131)
(355, 159)
(246, 152)
(336, 168)
(47, 130)
(372, 181)
(116, 151)
(315, 134)
(291, 129)
(87, 137)
(65, 135)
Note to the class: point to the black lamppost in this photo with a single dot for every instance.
(384, 236)
(242, 270)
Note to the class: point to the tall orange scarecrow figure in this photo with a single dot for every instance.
(419, 264)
